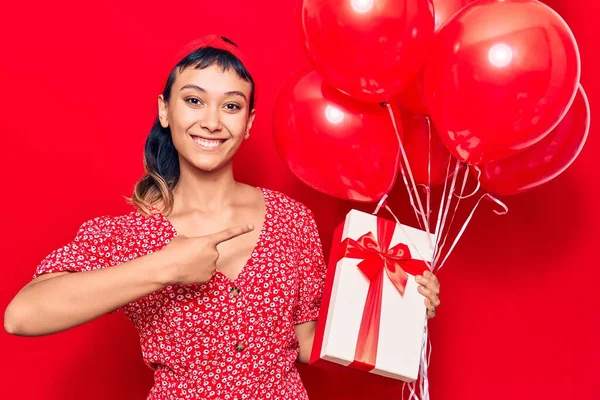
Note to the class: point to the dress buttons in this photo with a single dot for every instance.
(240, 346)
(234, 291)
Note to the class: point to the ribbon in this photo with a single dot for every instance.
(376, 258)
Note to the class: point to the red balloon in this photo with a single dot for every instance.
(546, 159)
(445, 9)
(333, 143)
(501, 75)
(425, 156)
(413, 97)
(369, 49)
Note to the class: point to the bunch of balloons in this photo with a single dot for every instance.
(492, 84)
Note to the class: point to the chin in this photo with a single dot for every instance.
(209, 166)
(205, 162)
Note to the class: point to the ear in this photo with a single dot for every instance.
(251, 117)
(163, 111)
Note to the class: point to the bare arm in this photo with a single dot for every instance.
(58, 301)
(312, 267)
(305, 333)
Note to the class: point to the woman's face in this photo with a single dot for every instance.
(208, 115)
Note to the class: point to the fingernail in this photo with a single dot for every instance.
(250, 226)
(427, 273)
(419, 278)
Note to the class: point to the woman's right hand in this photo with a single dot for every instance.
(194, 259)
(57, 301)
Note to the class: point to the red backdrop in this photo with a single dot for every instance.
(79, 83)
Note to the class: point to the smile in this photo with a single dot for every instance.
(208, 144)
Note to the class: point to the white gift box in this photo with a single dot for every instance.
(396, 349)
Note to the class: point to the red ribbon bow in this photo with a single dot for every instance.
(378, 257)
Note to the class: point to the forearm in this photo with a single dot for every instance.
(306, 337)
(62, 302)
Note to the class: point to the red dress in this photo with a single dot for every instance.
(221, 339)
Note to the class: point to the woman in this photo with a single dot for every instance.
(222, 280)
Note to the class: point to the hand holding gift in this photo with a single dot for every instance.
(430, 288)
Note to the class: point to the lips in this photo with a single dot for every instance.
(208, 144)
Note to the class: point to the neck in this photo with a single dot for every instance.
(207, 191)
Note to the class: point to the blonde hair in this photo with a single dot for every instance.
(151, 192)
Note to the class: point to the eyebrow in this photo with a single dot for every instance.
(200, 89)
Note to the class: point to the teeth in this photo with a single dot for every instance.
(209, 143)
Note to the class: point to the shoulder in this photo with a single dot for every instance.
(120, 226)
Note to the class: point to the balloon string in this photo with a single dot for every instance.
(381, 203)
(396, 164)
(401, 167)
(425, 360)
(476, 168)
(441, 207)
(449, 226)
(419, 212)
(426, 344)
(428, 189)
(444, 209)
(462, 230)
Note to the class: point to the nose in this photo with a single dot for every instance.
(210, 120)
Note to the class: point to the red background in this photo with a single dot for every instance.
(79, 82)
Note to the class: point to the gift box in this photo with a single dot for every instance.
(372, 316)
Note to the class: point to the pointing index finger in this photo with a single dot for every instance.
(230, 233)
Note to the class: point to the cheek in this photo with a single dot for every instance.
(235, 123)
(182, 119)
(178, 141)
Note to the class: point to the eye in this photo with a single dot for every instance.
(232, 107)
(194, 101)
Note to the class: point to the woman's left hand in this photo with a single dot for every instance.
(429, 286)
